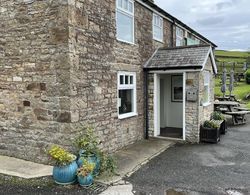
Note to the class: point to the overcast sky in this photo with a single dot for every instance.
(224, 22)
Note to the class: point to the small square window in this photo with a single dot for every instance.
(126, 79)
(131, 80)
(121, 79)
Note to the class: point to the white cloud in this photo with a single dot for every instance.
(224, 22)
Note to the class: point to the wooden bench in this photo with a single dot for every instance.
(241, 109)
(238, 117)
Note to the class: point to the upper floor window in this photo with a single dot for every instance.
(180, 40)
(157, 28)
(125, 20)
(192, 40)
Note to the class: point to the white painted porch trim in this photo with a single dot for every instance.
(156, 105)
(210, 53)
(184, 106)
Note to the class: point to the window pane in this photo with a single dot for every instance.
(124, 27)
(121, 79)
(130, 8)
(126, 79)
(119, 3)
(126, 97)
(125, 4)
(206, 93)
(158, 33)
(206, 78)
(131, 80)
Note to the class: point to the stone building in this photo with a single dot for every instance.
(69, 63)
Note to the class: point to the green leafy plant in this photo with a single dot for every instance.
(87, 141)
(61, 156)
(247, 76)
(108, 165)
(210, 124)
(217, 116)
(85, 169)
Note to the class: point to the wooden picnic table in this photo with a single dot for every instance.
(225, 104)
(227, 98)
(239, 117)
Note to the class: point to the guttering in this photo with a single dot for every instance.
(146, 103)
(194, 68)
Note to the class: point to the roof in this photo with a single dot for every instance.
(175, 20)
(185, 57)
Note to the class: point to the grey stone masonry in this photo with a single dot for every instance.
(59, 61)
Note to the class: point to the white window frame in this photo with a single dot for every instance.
(124, 87)
(160, 26)
(207, 80)
(126, 12)
(178, 37)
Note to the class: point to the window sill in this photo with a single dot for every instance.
(206, 104)
(158, 40)
(128, 115)
(130, 43)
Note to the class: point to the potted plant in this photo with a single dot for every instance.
(84, 174)
(209, 132)
(65, 168)
(220, 119)
(87, 144)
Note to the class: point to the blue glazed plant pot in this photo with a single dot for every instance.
(92, 159)
(65, 175)
(85, 181)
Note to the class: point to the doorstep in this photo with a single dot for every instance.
(24, 169)
(131, 158)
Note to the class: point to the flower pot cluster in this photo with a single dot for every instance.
(83, 167)
(69, 169)
(211, 130)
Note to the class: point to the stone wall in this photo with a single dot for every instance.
(59, 62)
(192, 109)
(34, 65)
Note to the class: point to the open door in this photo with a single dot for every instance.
(170, 105)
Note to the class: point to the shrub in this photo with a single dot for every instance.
(247, 77)
(61, 156)
(108, 165)
(87, 141)
(210, 124)
(217, 116)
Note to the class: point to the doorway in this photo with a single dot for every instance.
(171, 105)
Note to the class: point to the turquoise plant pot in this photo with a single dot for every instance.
(65, 175)
(91, 159)
(85, 181)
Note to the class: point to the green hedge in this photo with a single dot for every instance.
(248, 77)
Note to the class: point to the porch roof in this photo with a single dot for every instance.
(184, 57)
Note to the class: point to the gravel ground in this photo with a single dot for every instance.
(222, 168)
(42, 186)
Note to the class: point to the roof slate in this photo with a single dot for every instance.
(186, 57)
